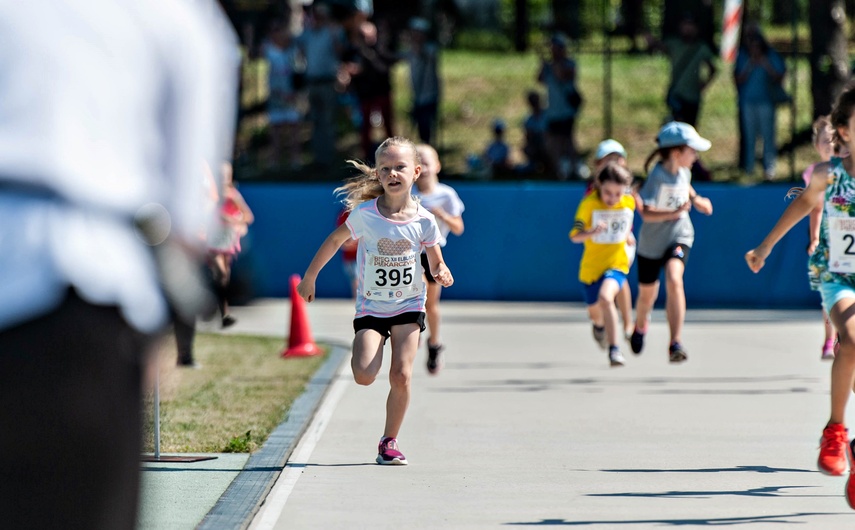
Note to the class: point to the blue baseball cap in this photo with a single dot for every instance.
(677, 133)
(608, 147)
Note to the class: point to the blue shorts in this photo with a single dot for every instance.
(592, 290)
(834, 292)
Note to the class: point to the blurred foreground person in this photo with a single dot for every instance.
(107, 108)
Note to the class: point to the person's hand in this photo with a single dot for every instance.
(685, 207)
(812, 246)
(443, 276)
(439, 212)
(756, 258)
(306, 289)
(599, 228)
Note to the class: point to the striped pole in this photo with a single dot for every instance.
(730, 30)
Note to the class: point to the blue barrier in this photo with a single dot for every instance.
(516, 247)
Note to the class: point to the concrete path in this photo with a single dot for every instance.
(528, 425)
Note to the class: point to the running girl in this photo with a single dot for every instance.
(442, 201)
(603, 221)
(823, 142)
(392, 229)
(612, 151)
(833, 262)
(667, 234)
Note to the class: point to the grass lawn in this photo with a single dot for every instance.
(481, 86)
(242, 392)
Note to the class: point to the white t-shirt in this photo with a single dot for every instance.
(446, 198)
(388, 266)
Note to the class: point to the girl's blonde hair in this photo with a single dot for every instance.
(365, 185)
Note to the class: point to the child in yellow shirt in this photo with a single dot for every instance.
(603, 221)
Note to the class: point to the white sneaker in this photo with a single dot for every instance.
(616, 358)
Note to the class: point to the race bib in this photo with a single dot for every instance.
(617, 222)
(672, 197)
(392, 277)
(841, 244)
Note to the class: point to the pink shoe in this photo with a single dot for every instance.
(388, 453)
(828, 350)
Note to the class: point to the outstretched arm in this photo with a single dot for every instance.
(334, 241)
(805, 203)
(701, 204)
(454, 222)
(651, 214)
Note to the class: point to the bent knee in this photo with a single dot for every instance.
(364, 378)
(400, 378)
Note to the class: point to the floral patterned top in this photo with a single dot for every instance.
(839, 202)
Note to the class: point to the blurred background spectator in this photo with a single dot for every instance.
(558, 75)
(758, 72)
(424, 77)
(322, 43)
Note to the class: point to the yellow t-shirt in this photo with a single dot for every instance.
(606, 250)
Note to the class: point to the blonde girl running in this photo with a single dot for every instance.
(392, 229)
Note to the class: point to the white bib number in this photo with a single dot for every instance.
(392, 277)
(672, 197)
(617, 222)
(841, 244)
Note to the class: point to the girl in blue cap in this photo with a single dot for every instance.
(667, 234)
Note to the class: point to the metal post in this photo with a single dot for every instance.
(157, 414)
(157, 457)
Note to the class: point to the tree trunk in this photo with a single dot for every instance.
(829, 60)
(521, 25)
(566, 17)
(782, 11)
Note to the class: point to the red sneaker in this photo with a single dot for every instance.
(850, 484)
(832, 449)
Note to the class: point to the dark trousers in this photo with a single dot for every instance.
(425, 117)
(70, 415)
(382, 104)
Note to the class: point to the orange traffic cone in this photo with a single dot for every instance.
(300, 341)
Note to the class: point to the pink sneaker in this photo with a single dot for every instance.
(828, 350)
(833, 447)
(388, 454)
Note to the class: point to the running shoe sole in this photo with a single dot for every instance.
(393, 462)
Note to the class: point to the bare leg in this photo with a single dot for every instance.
(829, 329)
(647, 294)
(434, 320)
(606, 302)
(405, 344)
(367, 357)
(624, 302)
(843, 367)
(675, 303)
